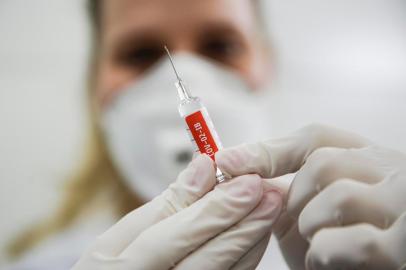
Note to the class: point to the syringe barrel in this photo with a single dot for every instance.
(200, 129)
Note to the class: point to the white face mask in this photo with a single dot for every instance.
(146, 136)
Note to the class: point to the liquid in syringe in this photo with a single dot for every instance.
(199, 125)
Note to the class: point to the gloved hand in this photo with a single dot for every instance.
(346, 207)
(194, 224)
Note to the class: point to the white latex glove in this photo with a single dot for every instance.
(346, 207)
(194, 224)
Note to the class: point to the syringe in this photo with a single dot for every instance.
(199, 125)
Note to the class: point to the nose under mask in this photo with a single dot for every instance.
(145, 135)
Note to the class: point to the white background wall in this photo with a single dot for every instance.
(43, 51)
(342, 62)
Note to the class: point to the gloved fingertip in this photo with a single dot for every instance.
(278, 185)
(199, 176)
(246, 187)
(221, 156)
(274, 201)
(202, 160)
(230, 161)
(269, 208)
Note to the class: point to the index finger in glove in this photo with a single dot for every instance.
(278, 157)
(192, 184)
(177, 236)
(233, 244)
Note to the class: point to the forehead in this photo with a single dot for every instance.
(120, 16)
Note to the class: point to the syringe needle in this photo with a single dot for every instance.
(173, 65)
(182, 90)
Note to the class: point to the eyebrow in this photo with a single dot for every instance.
(223, 29)
(127, 40)
(147, 36)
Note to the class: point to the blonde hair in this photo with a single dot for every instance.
(96, 176)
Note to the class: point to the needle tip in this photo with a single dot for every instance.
(170, 59)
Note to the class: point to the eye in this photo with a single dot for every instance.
(224, 49)
(140, 57)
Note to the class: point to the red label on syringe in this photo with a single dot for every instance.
(201, 134)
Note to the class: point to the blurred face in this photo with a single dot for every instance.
(133, 33)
